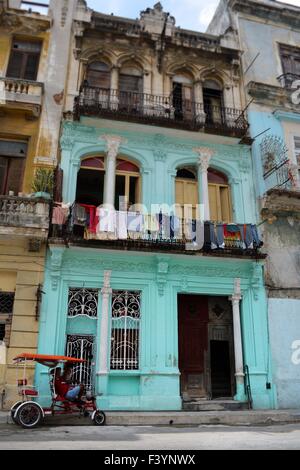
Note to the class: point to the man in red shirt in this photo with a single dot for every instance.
(64, 389)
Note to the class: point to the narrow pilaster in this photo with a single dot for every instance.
(205, 154)
(238, 347)
(113, 144)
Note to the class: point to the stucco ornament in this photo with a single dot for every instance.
(205, 155)
(57, 254)
(113, 143)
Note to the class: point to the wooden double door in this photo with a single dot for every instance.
(205, 343)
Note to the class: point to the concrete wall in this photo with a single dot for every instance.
(284, 324)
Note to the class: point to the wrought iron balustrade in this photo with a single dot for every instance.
(26, 212)
(189, 236)
(167, 111)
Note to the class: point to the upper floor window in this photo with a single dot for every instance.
(98, 75)
(24, 59)
(182, 96)
(219, 197)
(213, 101)
(187, 194)
(12, 164)
(90, 182)
(290, 58)
(131, 79)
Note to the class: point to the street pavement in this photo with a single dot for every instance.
(280, 437)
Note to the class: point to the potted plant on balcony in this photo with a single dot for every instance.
(43, 183)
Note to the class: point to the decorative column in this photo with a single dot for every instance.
(106, 291)
(113, 144)
(238, 348)
(205, 154)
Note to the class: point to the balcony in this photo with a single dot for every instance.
(159, 111)
(156, 233)
(287, 79)
(22, 95)
(24, 217)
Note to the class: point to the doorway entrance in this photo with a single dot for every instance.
(206, 352)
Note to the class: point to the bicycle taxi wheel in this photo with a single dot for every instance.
(29, 415)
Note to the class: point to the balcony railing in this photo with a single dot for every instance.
(287, 79)
(25, 213)
(25, 94)
(156, 233)
(159, 110)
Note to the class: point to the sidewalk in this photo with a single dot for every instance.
(178, 418)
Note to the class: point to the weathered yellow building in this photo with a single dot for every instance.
(32, 80)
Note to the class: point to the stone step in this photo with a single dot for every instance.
(214, 405)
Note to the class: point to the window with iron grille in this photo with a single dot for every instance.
(6, 302)
(83, 301)
(125, 330)
(81, 347)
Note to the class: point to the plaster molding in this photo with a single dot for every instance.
(56, 260)
(160, 155)
(162, 270)
(256, 280)
(205, 155)
(113, 143)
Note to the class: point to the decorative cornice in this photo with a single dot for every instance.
(75, 133)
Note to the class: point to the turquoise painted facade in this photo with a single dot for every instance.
(160, 277)
(155, 386)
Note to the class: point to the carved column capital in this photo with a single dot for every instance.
(205, 154)
(113, 143)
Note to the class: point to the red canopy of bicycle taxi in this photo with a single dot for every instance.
(47, 360)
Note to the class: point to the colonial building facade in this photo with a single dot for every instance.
(269, 34)
(154, 273)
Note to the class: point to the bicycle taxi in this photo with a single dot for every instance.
(28, 413)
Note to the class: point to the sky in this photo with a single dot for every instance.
(189, 14)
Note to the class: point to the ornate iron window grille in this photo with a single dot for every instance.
(82, 347)
(82, 301)
(275, 162)
(7, 302)
(125, 333)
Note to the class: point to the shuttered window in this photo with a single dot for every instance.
(12, 164)
(290, 58)
(98, 75)
(131, 83)
(24, 60)
(219, 203)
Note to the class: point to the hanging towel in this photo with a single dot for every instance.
(122, 225)
(107, 220)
